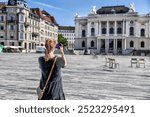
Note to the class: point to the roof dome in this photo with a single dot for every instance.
(113, 9)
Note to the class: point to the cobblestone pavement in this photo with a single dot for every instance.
(83, 78)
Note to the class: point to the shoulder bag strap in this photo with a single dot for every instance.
(49, 76)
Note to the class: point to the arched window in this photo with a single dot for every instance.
(92, 43)
(131, 44)
(131, 22)
(119, 30)
(142, 44)
(103, 30)
(142, 32)
(92, 31)
(131, 31)
(83, 43)
(11, 18)
(111, 30)
(83, 33)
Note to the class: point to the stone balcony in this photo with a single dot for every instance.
(11, 21)
(26, 24)
(35, 34)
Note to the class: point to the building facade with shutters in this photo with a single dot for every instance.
(25, 27)
(113, 29)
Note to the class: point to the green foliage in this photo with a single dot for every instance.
(62, 40)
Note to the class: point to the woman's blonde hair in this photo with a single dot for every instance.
(50, 45)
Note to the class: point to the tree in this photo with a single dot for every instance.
(62, 40)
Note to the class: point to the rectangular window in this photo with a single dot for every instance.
(21, 27)
(21, 35)
(11, 43)
(2, 18)
(19, 44)
(1, 36)
(21, 18)
(11, 36)
(11, 18)
(1, 27)
(11, 27)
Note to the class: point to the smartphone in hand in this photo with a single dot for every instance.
(58, 46)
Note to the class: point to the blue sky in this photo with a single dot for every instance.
(64, 10)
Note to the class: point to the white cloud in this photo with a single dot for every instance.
(46, 5)
(3, 0)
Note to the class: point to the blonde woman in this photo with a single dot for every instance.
(54, 89)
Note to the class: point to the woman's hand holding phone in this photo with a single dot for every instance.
(61, 48)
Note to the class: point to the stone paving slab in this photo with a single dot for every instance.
(84, 78)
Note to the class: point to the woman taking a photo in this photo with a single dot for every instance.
(51, 63)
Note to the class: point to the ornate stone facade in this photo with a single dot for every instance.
(113, 29)
(25, 27)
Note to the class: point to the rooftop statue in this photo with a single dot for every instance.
(93, 11)
(76, 15)
(132, 8)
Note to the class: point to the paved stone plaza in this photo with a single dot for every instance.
(83, 78)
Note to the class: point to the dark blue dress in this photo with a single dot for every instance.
(54, 89)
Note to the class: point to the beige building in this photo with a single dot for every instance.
(25, 27)
(113, 29)
(69, 33)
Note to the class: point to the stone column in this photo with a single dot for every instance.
(127, 28)
(106, 45)
(88, 29)
(125, 44)
(115, 46)
(123, 28)
(77, 44)
(100, 28)
(107, 28)
(97, 44)
(76, 30)
(96, 28)
(137, 29)
(147, 30)
(80, 31)
(115, 28)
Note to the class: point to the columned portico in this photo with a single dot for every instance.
(115, 45)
